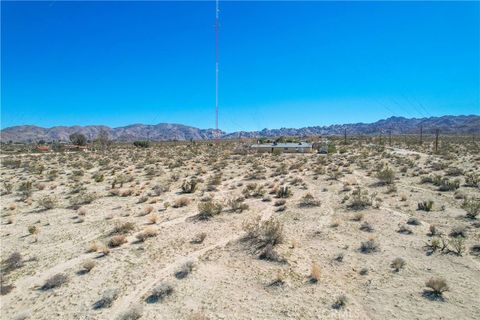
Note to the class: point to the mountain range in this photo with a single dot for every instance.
(165, 131)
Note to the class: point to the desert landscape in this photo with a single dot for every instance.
(375, 229)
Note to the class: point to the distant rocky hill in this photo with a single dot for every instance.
(397, 125)
(165, 131)
(161, 131)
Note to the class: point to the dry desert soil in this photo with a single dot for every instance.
(206, 230)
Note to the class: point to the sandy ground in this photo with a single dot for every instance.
(228, 280)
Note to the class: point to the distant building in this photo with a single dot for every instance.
(289, 147)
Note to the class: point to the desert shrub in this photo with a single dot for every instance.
(369, 246)
(366, 227)
(340, 302)
(385, 176)
(454, 172)
(264, 232)
(209, 209)
(181, 202)
(472, 180)
(25, 189)
(184, 270)
(55, 281)
(360, 200)
(437, 286)
(153, 218)
(457, 245)
(315, 272)
(107, 299)
(472, 207)
(357, 217)
(159, 293)
(268, 253)
(88, 265)
(82, 198)
(397, 264)
(199, 238)
(134, 313)
(425, 205)
(284, 192)
(475, 250)
(4, 287)
(117, 241)
(458, 231)
(237, 205)
(148, 232)
(141, 144)
(12, 262)
(7, 188)
(449, 185)
(403, 229)
(98, 177)
(122, 228)
(47, 202)
(413, 221)
(189, 186)
(252, 190)
(433, 230)
(308, 201)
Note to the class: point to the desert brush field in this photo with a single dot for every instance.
(209, 230)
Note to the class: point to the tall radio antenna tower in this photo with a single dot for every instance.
(217, 11)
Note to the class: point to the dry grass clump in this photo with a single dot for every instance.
(123, 228)
(199, 238)
(160, 292)
(107, 299)
(397, 264)
(181, 202)
(148, 232)
(369, 246)
(147, 210)
(308, 201)
(436, 287)
(54, 281)
(87, 266)
(458, 231)
(153, 218)
(117, 241)
(14, 261)
(340, 302)
(366, 226)
(403, 229)
(315, 272)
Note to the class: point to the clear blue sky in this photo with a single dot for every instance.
(282, 64)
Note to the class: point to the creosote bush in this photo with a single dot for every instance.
(369, 246)
(264, 232)
(209, 209)
(425, 205)
(308, 201)
(386, 176)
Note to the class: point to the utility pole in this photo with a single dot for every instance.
(217, 11)
(436, 140)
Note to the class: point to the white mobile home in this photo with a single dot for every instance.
(296, 147)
